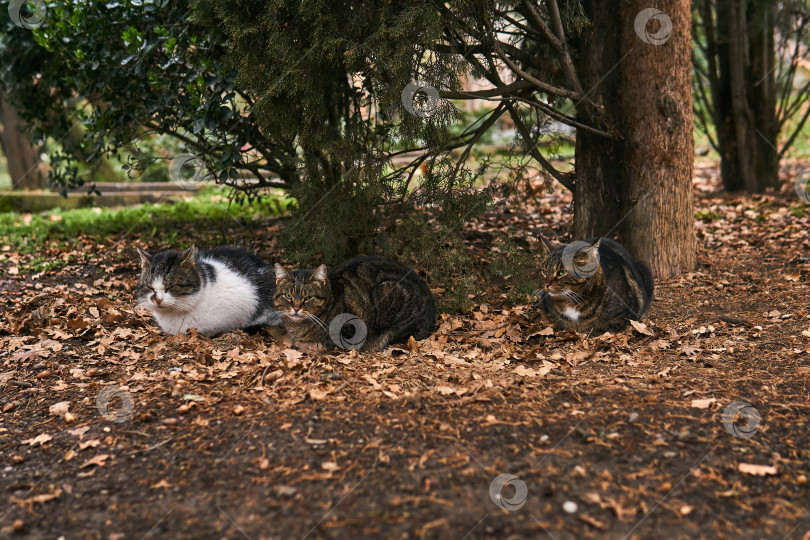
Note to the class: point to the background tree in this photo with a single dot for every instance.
(22, 157)
(746, 57)
(108, 80)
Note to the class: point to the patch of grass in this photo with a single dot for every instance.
(43, 264)
(27, 233)
(799, 210)
(707, 215)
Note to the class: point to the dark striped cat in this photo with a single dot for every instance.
(364, 303)
(594, 286)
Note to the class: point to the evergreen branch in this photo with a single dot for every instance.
(566, 179)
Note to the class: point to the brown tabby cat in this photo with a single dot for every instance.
(594, 286)
(364, 303)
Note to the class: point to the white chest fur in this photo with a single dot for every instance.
(227, 304)
(571, 313)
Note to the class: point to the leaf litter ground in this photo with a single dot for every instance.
(111, 430)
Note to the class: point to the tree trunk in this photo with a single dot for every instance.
(102, 169)
(24, 165)
(762, 92)
(721, 97)
(745, 95)
(656, 101)
(597, 200)
(638, 187)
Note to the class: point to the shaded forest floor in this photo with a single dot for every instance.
(614, 436)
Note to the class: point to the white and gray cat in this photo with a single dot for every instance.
(214, 291)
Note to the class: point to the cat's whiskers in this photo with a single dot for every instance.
(573, 297)
(314, 318)
(577, 297)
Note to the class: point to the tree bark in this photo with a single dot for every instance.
(24, 165)
(639, 187)
(721, 95)
(597, 200)
(762, 93)
(744, 96)
(656, 101)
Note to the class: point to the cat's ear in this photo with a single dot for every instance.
(281, 274)
(548, 247)
(594, 249)
(319, 274)
(188, 256)
(146, 258)
(587, 256)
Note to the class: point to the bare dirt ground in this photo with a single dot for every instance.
(111, 430)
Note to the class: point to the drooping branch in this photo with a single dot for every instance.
(490, 92)
(566, 179)
(540, 85)
(497, 113)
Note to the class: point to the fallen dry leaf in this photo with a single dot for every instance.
(757, 470)
(688, 350)
(79, 432)
(292, 355)
(330, 466)
(59, 409)
(38, 499)
(641, 328)
(445, 390)
(702, 403)
(98, 461)
(92, 443)
(38, 440)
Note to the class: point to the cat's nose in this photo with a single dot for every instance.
(157, 300)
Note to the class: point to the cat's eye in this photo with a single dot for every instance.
(288, 297)
(561, 273)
